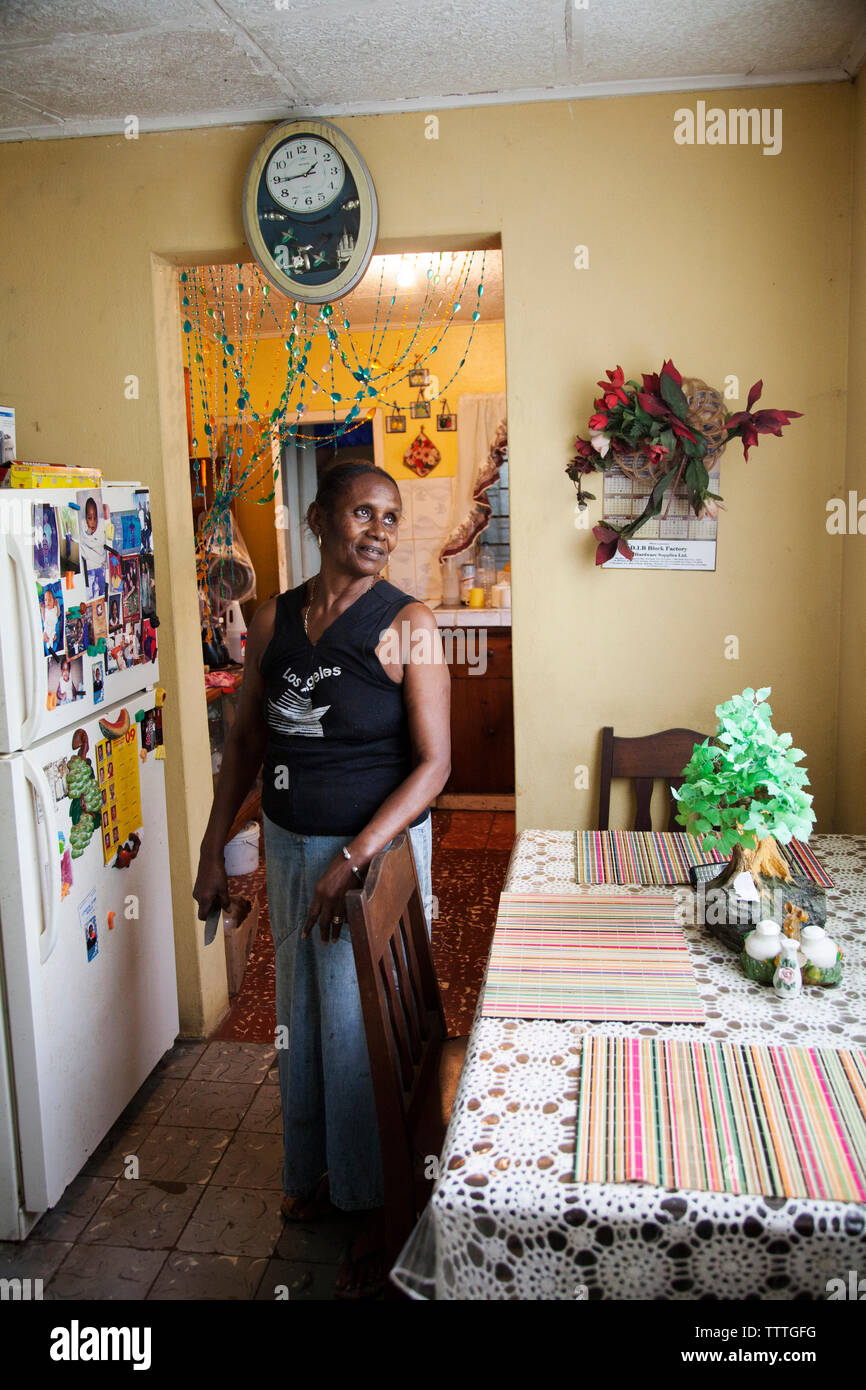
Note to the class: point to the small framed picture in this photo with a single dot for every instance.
(395, 423)
(419, 409)
(419, 376)
(447, 423)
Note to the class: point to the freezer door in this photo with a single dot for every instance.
(53, 612)
(88, 948)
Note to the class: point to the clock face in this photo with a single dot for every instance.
(310, 211)
(305, 175)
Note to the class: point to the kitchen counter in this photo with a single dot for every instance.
(473, 617)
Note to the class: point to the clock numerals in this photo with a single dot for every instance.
(305, 175)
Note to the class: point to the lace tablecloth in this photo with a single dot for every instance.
(507, 1220)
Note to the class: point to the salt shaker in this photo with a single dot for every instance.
(788, 979)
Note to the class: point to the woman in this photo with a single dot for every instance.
(355, 738)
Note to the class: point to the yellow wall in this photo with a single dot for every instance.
(724, 258)
(851, 749)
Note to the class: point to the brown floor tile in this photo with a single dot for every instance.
(234, 1221)
(502, 831)
(468, 830)
(209, 1104)
(122, 1140)
(106, 1272)
(151, 1099)
(297, 1283)
(149, 1216)
(180, 1061)
(179, 1153)
(234, 1061)
(265, 1115)
(192, 1277)
(318, 1242)
(68, 1218)
(252, 1160)
(32, 1259)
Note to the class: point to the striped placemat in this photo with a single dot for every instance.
(654, 857)
(661, 857)
(622, 956)
(723, 1117)
(799, 856)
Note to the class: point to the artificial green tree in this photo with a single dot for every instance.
(742, 791)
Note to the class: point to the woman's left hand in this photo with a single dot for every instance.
(329, 899)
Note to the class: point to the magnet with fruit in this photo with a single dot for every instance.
(115, 728)
(85, 797)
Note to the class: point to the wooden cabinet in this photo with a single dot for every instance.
(482, 716)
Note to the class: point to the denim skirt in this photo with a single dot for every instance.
(329, 1111)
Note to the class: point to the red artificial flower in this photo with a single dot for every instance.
(672, 372)
(613, 390)
(680, 430)
(749, 424)
(609, 542)
(585, 460)
(650, 382)
(655, 451)
(653, 405)
(598, 422)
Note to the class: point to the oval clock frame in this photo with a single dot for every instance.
(314, 256)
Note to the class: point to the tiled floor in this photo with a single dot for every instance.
(181, 1200)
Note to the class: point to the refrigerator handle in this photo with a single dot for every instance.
(36, 679)
(45, 797)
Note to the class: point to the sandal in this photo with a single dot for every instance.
(311, 1206)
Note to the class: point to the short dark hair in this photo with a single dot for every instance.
(337, 478)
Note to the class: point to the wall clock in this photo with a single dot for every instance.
(310, 211)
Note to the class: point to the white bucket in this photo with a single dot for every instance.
(242, 853)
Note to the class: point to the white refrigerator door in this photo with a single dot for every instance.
(84, 1027)
(26, 674)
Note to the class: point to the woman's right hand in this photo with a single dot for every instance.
(211, 885)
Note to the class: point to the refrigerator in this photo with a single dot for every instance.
(88, 993)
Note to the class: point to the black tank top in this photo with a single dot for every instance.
(338, 733)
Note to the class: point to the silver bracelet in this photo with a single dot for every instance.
(355, 871)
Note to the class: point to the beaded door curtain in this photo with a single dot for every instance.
(225, 312)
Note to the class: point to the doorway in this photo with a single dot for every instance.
(456, 498)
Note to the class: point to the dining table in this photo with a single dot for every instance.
(508, 1221)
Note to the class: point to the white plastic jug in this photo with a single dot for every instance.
(236, 632)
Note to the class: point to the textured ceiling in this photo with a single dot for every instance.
(80, 67)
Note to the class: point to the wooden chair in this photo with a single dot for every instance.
(643, 759)
(415, 1065)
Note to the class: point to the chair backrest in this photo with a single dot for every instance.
(643, 759)
(402, 1007)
